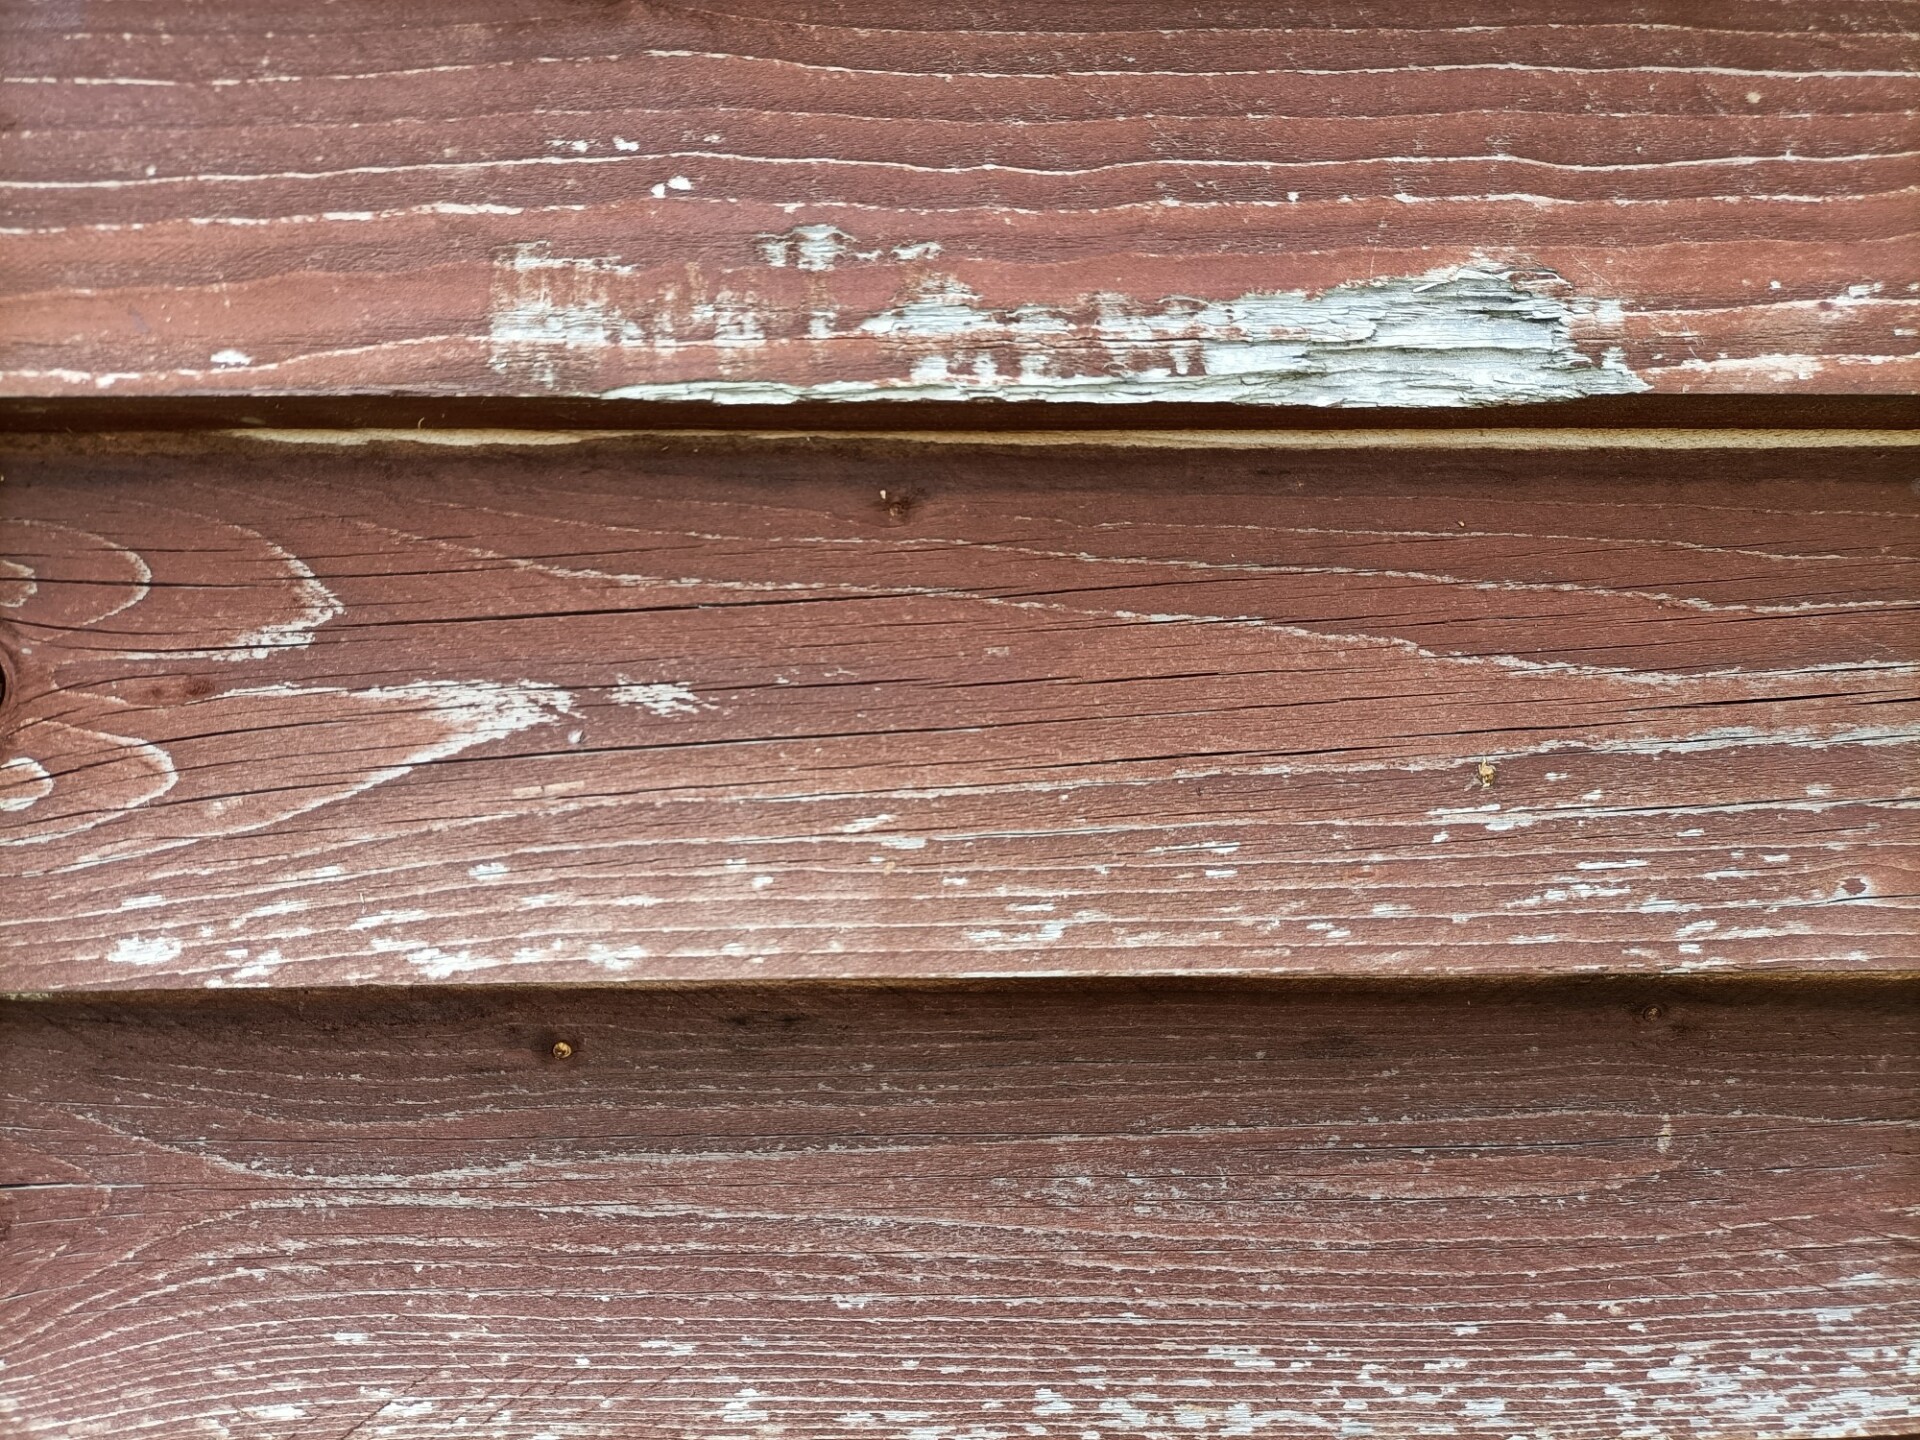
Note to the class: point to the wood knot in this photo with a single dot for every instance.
(11, 688)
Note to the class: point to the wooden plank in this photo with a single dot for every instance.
(1122, 200)
(644, 710)
(1028, 1211)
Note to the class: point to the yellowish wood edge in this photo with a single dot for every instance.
(1507, 438)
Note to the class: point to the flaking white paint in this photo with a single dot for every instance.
(664, 699)
(144, 950)
(1463, 335)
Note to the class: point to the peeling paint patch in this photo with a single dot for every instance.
(664, 699)
(821, 247)
(437, 964)
(805, 247)
(1475, 334)
(144, 950)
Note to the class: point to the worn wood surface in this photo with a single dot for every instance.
(1226, 1212)
(289, 714)
(1102, 200)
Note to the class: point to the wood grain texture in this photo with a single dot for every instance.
(1109, 200)
(297, 714)
(772, 1215)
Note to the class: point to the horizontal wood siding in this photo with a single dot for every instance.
(290, 714)
(1110, 200)
(803, 1214)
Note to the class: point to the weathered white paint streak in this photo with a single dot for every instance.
(117, 595)
(465, 712)
(313, 605)
(453, 716)
(23, 782)
(1464, 335)
(138, 772)
(16, 584)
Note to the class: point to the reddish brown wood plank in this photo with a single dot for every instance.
(1129, 200)
(774, 1215)
(294, 714)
